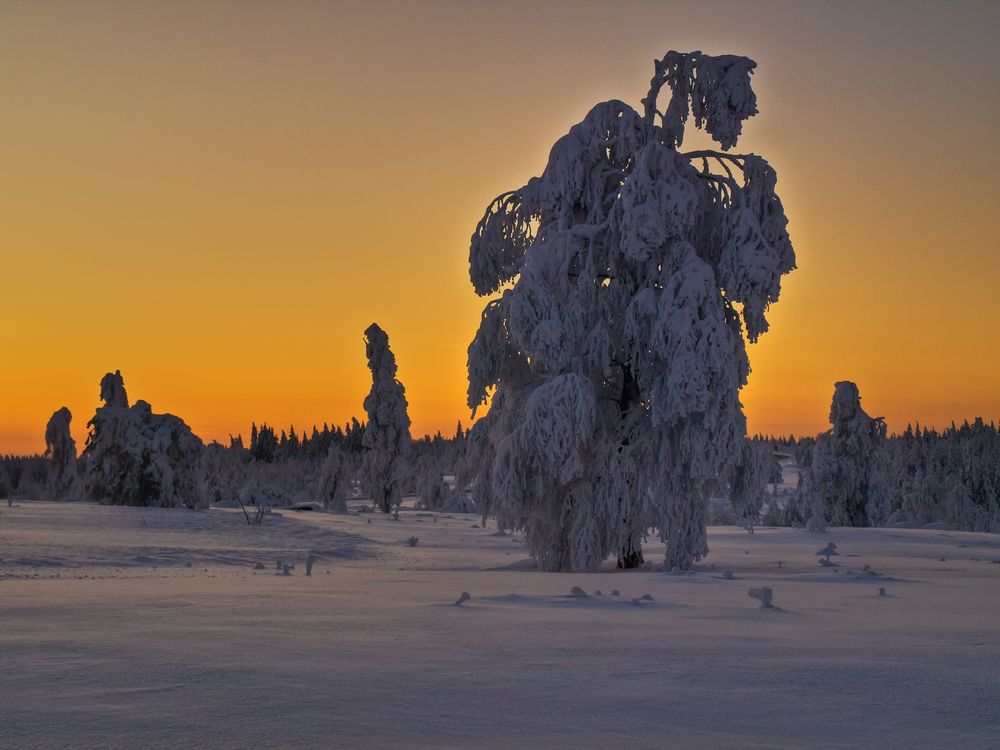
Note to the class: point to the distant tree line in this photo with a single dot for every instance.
(854, 474)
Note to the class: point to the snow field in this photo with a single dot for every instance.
(110, 640)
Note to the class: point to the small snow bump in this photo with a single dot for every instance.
(764, 595)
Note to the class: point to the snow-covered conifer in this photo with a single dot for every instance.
(952, 476)
(615, 353)
(435, 492)
(113, 391)
(222, 470)
(6, 487)
(136, 457)
(63, 482)
(387, 433)
(846, 482)
(332, 479)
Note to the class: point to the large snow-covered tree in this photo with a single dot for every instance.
(846, 483)
(136, 457)
(63, 480)
(632, 272)
(387, 433)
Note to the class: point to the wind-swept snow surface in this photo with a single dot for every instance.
(110, 640)
(615, 358)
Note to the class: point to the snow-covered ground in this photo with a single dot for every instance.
(135, 628)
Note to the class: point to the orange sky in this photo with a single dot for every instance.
(217, 198)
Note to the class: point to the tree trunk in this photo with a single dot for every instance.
(630, 557)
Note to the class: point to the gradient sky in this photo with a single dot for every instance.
(217, 198)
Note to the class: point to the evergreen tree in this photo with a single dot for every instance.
(136, 457)
(333, 475)
(845, 485)
(60, 451)
(387, 434)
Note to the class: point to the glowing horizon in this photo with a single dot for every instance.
(217, 200)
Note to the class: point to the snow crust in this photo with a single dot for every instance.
(111, 641)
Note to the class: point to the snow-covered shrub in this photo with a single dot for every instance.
(615, 354)
(64, 481)
(845, 485)
(764, 594)
(387, 434)
(459, 501)
(254, 492)
(136, 457)
(828, 551)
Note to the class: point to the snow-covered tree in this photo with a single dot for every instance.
(756, 468)
(332, 480)
(387, 433)
(845, 485)
(615, 354)
(6, 488)
(136, 457)
(113, 392)
(434, 492)
(472, 468)
(952, 476)
(63, 481)
(221, 471)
